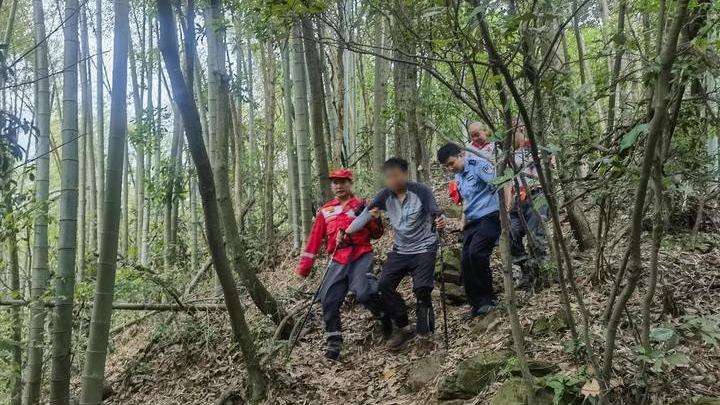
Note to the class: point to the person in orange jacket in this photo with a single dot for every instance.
(352, 262)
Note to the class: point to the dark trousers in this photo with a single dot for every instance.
(534, 220)
(479, 238)
(356, 276)
(421, 267)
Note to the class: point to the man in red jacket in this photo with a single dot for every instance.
(351, 266)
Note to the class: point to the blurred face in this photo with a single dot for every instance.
(519, 136)
(479, 135)
(395, 178)
(341, 188)
(455, 164)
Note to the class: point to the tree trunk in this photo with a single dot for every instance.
(239, 140)
(86, 152)
(195, 227)
(330, 114)
(139, 156)
(252, 134)
(655, 131)
(575, 213)
(293, 187)
(90, 151)
(149, 132)
(214, 55)
(269, 76)
(186, 104)
(312, 59)
(65, 275)
(100, 112)
(617, 65)
(170, 197)
(40, 269)
(347, 66)
(512, 310)
(380, 97)
(259, 294)
(125, 230)
(586, 76)
(16, 318)
(301, 125)
(408, 143)
(338, 144)
(96, 354)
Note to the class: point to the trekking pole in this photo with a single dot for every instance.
(295, 337)
(442, 288)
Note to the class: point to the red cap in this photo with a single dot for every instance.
(341, 174)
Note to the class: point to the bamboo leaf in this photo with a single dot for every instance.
(677, 360)
(507, 176)
(631, 137)
(661, 334)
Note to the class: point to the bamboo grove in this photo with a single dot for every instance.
(146, 144)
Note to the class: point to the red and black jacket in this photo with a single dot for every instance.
(329, 219)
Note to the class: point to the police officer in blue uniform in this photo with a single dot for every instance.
(473, 176)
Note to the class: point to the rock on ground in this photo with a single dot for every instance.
(472, 376)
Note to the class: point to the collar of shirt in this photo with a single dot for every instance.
(480, 145)
(335, 201)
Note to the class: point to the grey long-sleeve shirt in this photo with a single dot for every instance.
(411, 218)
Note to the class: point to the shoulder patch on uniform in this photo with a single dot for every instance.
(472, 162)
(488, 169)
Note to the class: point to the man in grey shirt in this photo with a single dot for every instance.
(415, 217)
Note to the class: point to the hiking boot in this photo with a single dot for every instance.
(471, 313)
(425, 320)
(528, 272)
(398, 340)
(386, 325)
(525, 283)
(426, 343)
(479, 311)
(333, 347)
(484, 309)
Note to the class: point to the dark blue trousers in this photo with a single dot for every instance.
(479, 238)
(356, 276)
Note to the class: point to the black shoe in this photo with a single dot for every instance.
(398, 340)
(333, 347)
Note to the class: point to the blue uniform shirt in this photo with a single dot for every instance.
(479, 195)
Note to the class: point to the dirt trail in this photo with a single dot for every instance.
(193, 363)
